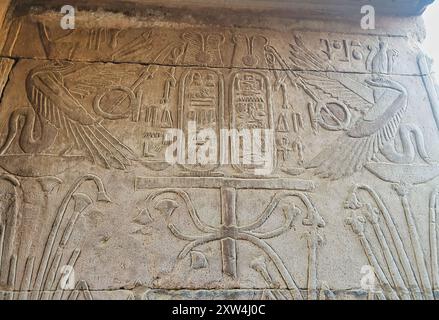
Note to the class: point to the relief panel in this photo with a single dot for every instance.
(91, 207)
(219, 47)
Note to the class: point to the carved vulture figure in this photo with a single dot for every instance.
(55, 109)
(364, 140)
(376, 127)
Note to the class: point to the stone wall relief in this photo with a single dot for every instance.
(248, 50)
(336, 101)
(11, 200)
(77, 111)
(73, 107)
(342, 50)
(201, 102)
(5, 68)
(404, 268)
(287, 207)
(203, 49)
(208, 46)
(251, 108)
(46, 274)
(371, 116)
(72, 112)
(70, 43)
(56, 111)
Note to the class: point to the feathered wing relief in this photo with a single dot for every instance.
(322, 86)
(54, 102)
(215, 229)
(69, 101)
(364, 140)
(377, 124)
(56, 110)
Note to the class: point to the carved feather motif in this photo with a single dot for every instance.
(56, 104)
(363, 141)
(366, 137)
(329, 84)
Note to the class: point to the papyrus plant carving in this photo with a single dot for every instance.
(401, 266)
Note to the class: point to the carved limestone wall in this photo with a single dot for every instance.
(91, 209)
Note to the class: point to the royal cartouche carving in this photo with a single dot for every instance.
(337, 188)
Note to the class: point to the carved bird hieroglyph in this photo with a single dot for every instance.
(56, 110)
(367, 137)
(376, 127)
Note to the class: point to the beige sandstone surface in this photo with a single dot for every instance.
(91, 209)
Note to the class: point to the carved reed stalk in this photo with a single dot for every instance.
(260, 266)
(58, 294)
(286, 276)
(433, 240)
(401, 253)
(81, 286)
(47, 185)
(358, 226)
(325, 293)
(314, 240)
(47, 253)
(2, 239)
(395, 274)
(403, 191)
(53, 271)
(12, 277)
(9, 229)
(82, 202)
(312, 218)
(26, 279)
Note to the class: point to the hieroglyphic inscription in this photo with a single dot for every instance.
(86, 111)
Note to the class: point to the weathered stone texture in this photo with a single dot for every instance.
(90, 208)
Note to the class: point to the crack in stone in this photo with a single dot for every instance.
(147, 64)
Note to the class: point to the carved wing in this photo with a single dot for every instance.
(366, 138)
(194, 44)
(91, 80)
(330, 84)
(53, 102)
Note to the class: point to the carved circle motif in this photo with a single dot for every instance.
(334, 116)
(357, 55)
(115, 107)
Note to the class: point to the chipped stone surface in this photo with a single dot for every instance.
(90, 208)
